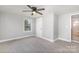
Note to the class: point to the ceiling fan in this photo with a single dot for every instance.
(34, 10)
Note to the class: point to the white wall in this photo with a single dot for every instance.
(11, 26)
(48, 26)
(55, 26)
(56, 29)
(39, 22)
(65, 26)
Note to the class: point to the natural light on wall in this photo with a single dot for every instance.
(75, 23)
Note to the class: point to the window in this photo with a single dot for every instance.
(27, 25)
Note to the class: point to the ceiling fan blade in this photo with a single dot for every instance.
(40, 9)
(38, 12)
(26, 11)
(29, 6)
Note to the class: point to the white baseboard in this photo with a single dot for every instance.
(75, 41)
(56, 39)
(50, 40)
(16, 38)
(64, 39)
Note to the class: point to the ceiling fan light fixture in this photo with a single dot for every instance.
(33, 12)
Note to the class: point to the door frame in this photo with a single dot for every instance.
(71, 28)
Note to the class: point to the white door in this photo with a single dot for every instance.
(39, 27)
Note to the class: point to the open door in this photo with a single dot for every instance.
(75, 28)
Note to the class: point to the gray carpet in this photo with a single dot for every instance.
(37, 45)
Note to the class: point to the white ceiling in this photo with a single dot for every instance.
(58, 9)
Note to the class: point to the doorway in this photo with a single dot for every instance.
(75, 28)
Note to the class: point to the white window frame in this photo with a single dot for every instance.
(30, 25)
